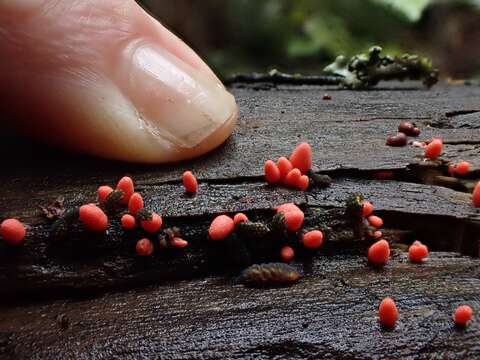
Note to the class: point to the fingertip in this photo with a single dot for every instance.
(132, 92)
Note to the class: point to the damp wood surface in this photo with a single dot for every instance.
(181, 304)
(330, 314)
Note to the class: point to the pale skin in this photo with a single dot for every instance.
(107, 79)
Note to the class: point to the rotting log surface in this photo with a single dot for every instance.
(329, 314)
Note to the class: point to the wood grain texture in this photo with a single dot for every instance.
(347, 132)
(330, 314)
(193, 310)
(437, 215)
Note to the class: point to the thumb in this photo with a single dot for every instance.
(105, 78)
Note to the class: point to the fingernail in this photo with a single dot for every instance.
(173, 100)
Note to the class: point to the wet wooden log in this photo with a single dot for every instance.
(329, 314)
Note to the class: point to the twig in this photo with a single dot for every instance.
(277, 77)
(360, 72)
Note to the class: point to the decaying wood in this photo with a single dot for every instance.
(329, 314)
(85, 260)
(347, 132)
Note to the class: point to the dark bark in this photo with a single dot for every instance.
(329, 314)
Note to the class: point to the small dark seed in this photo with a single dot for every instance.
(416, 131)
(398, 140)
(408, 128)
(327, 97)
(405, 127)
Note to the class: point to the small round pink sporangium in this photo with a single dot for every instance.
(301, 157)
(221, 227)
(272, 173)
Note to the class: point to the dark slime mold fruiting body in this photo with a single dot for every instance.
(252, 230)
(144, 215)
(354, 214)
(112, 203)
(271, 274)
(278, 224)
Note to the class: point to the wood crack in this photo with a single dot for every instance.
(190, 308)
(454, 113)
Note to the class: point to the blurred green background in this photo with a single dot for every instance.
(304, 35)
